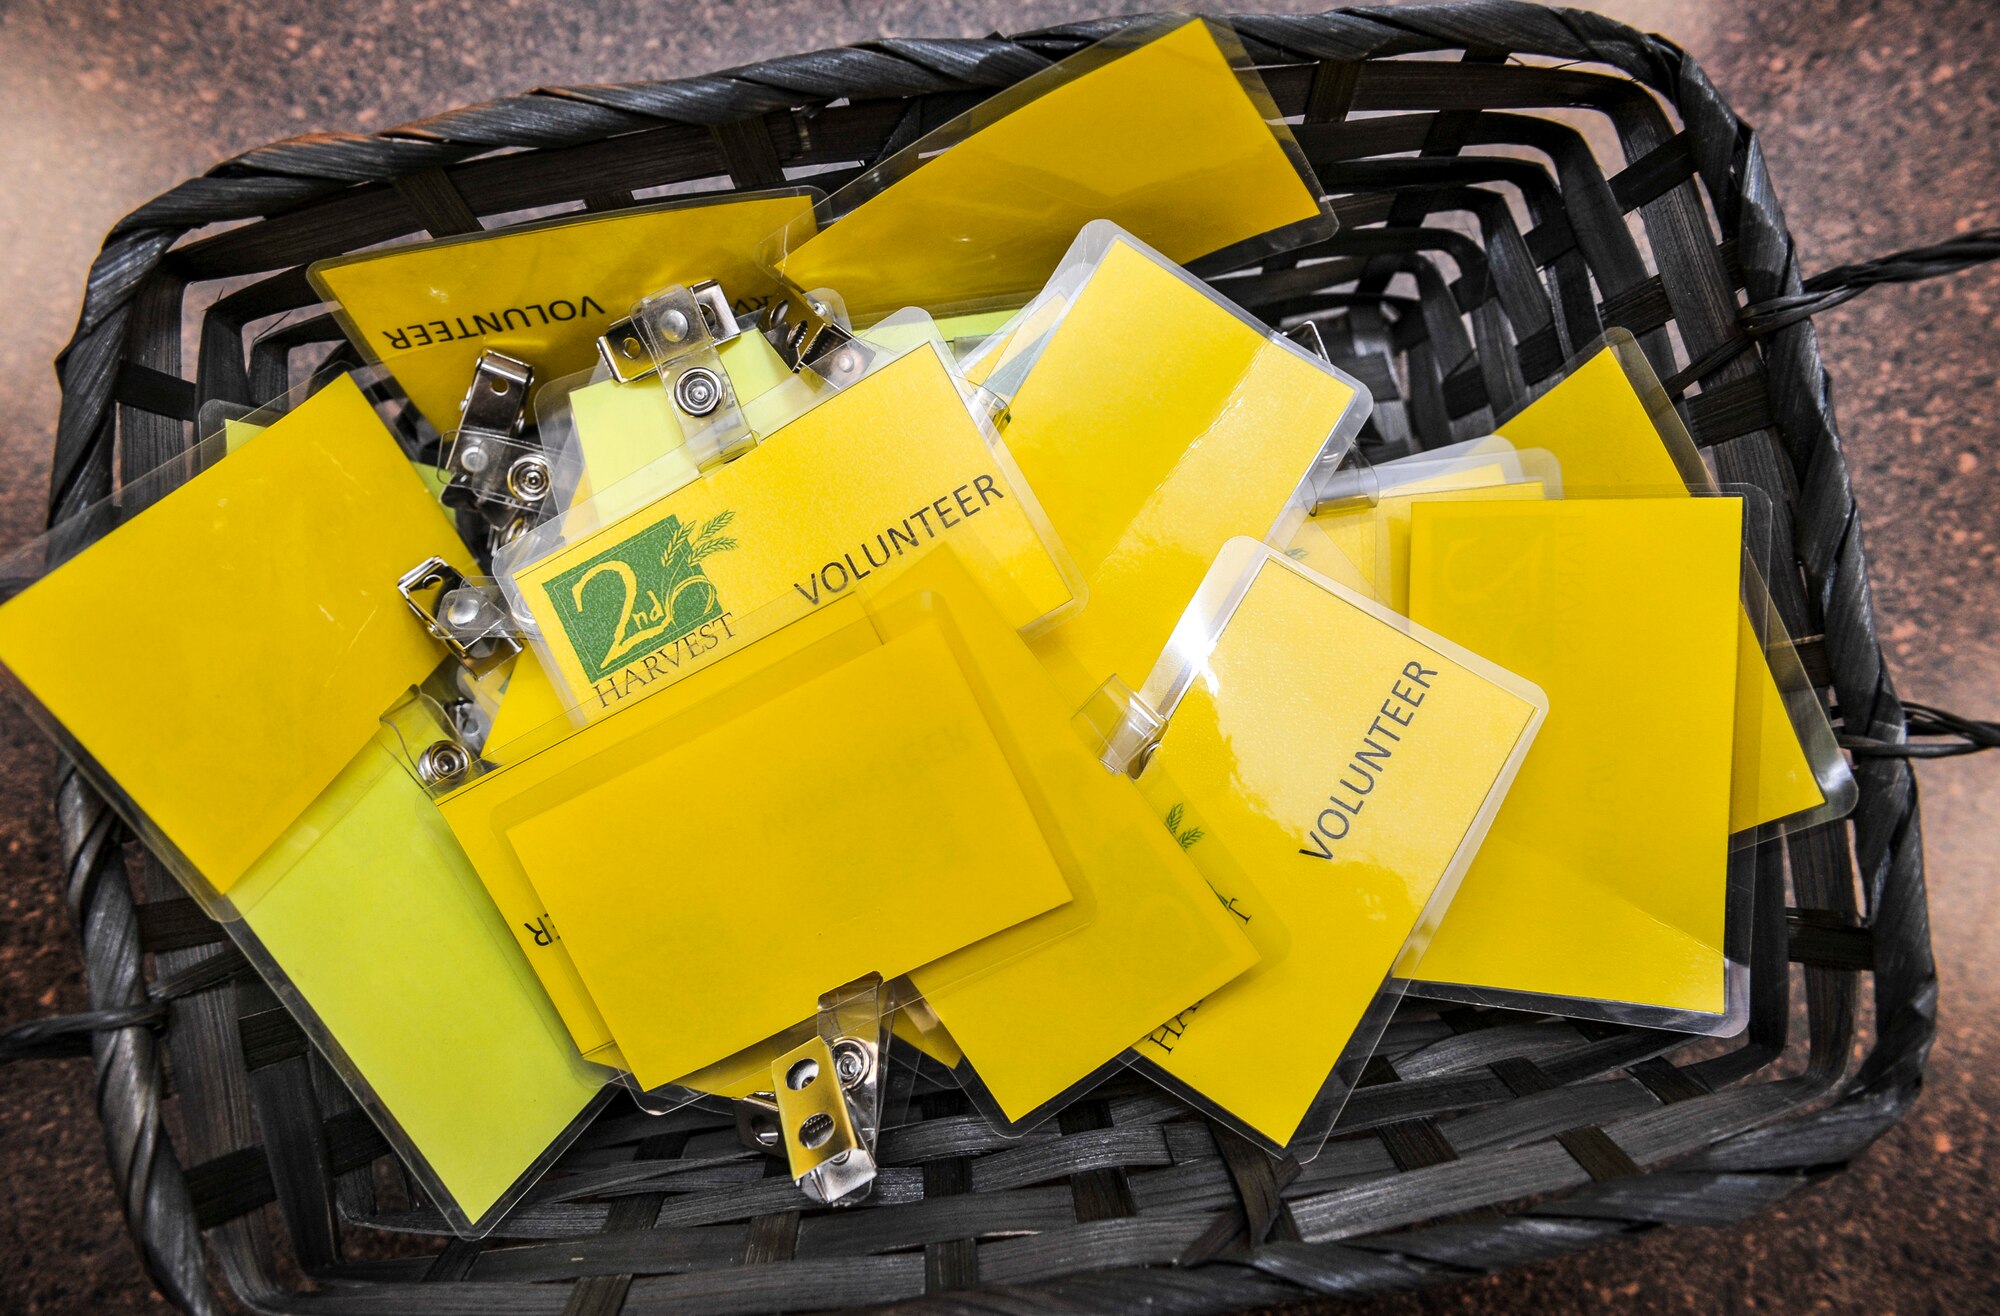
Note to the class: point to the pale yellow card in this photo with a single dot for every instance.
(542, 292)
(1154, 425)
(842, 498)
(1168, 140)
(1324, 770)
(1597, 426)
(260, 601)
(1605, 876)
(376, 921)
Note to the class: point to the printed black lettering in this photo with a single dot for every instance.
(416, 329)
(944, 521)
(444, 333)
(811, 597)
(464, 332)
(606, 691)
(652, 665)
(590, 307)
(924, 521)
(987, 489)
(557, 308)
(507, 317)
(398, 339)
(540, 310)
(825, 574)
(964, 503)
(903, 534)
(1370, 761)
(486, 324)
(870, 555)
(853, 570)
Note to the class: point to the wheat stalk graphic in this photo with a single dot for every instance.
(1185, 838)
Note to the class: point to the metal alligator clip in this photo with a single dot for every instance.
(468, 617)
(493, 468)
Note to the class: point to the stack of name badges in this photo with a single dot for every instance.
(769, 650)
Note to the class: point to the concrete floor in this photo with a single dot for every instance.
(1876, 121)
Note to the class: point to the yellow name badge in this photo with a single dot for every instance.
(1044, 1007)
(1155, 422)
(1330, 769)
(1605, 877)
(539, 754)
(842, 498)
(873, 801)
(542, 292)
(263, 595)
(1599, 425)
(1169, 134)
(370, 918)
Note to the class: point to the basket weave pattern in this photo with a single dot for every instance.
(1480, 1138)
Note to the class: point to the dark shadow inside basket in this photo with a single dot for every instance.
(1512, 182)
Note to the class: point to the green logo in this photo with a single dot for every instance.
(1185, 838)
(641, 594)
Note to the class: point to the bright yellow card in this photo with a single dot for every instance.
(1605, 877)
(261, 598)
(1043, 1006)
(1597, 425)
(1174, 140)
(541, 756)
(542, 292)
(1326, 771)
(1154, 425)
(842, 498)
(875, 808)
(380, 928)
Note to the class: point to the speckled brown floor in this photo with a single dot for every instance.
(1877, 122)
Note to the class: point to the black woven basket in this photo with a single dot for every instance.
(1480, 1138)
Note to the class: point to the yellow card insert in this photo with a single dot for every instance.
(1605, 877)
(542, 292)
(1597, 425)
(270, 638)
(1170, 139)
(1154, 425)
(1329, 772)
(844, 497)
(872, 802)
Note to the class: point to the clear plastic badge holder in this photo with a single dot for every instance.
(612, 745)
(229, 429)
(1739, 899)
(731, 436)
(1802, 703)
(1251, 852)
(363, 876)
(972, 216)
